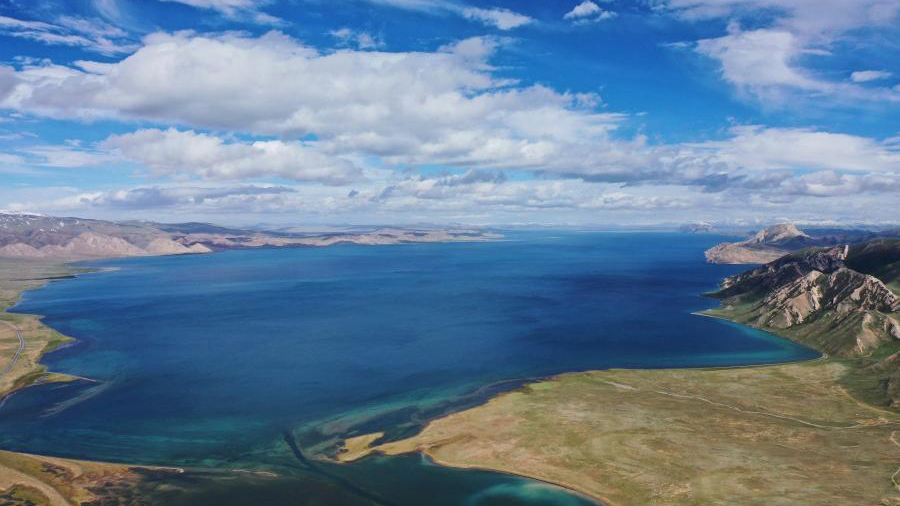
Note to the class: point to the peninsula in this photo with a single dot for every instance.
(820, 432)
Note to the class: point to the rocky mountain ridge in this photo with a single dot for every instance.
(838, 300)
(776, 241)
(27, 236)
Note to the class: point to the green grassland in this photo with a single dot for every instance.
(17, 276)
(771, 435)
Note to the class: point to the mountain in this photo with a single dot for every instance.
(841, 300)
(699, 227)
(773, 242)
(35, 236)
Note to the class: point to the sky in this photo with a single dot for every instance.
(494, 112)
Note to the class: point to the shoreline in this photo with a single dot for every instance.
(57, 271)
(74, 271)
(365, 449)
(455, 441)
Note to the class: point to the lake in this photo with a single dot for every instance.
(211, 360)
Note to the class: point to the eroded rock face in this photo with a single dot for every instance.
(853, 312)
(815, 297)
(784, 270)
(166, 246)
(778, 240)
(839, 295)
(736, 253)
(20, 250)
(765, 246)
(90, 244)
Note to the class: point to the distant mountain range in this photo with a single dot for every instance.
(778, 240)
(842, 300)
(42, 237)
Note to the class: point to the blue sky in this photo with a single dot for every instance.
(630, 112)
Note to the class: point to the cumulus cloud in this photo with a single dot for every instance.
(758, 59)
(485, 196)
(588, 12)
(583, 9)
(439, 107)
(492, 190)
(172, 151)
(91, 34)
(446, 107)
(833, 184)
(770, 62)
(759, 148)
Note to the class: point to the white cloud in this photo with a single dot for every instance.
(863, 76)
(172, 152)
(246, 10)
(770, 62)
(361, 40)
(758, 148)
(764, 63)
(760, 59)
(440, 107)
(583, 9)
(11, 159)
(805, 18)
(588, 12)
(503, 19)
(8, 81)
(91, 34)
(484, 189)
(182, 198)
(177, 197)
(445, 107)
(67, 156)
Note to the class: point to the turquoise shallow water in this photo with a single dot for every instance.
(209, 359)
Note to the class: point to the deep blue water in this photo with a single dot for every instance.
(207, 359)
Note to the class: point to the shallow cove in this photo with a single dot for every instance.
(206, 360)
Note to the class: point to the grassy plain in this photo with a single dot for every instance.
(769, 435)
(19, 358)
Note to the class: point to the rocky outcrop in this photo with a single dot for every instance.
(166, 246)
(765, 246)
(783, 270)
(815, 298)
(778, 240)
(20, 250)
(92, 245)
(817, 288)
(785, 235)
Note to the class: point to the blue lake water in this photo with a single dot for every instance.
(206, 360)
